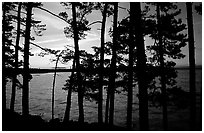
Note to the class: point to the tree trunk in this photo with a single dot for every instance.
(161, 60)
(13, 95)
(107, 106)
(113, 65)
(130, 70)
(53, 86)
(141, 65)
(69, 95)
(3, 62)
(100, 101)
(192, 66)
(26, 75)
(80, 91)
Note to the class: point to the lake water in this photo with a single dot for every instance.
(40, 99)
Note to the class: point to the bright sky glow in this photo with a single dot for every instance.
(54, 37)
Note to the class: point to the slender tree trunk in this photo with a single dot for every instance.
(53, 86)
(107, 106)
(13, 95)
(163, 84)
(80, 91)
(100, 101)
(25, 98)
(141, 65)
(113, 65)
(130, 70)
(192, 66)
(68, 106)
(3, 62)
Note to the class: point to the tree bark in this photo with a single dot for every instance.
(161, 60)
(113, 65)
(100, 101)
(192, 66)
(26, 75)
(13, 95)
(141, 65)
(80, 91)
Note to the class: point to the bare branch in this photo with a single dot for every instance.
(52, 14)
(94, 23)
(38, 46)
(123, 8)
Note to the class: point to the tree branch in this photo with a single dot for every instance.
(38, 46)
(94, 23)
(52, 14)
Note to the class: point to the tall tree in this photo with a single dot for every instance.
(26, 75)
(111, 86)
(192, 66)
(75, 30)
(7, 51)
(161, 60)
(76, 39)
(100, 101)
(68, 106)
(130, 69)
(16, 58)
(3, 61)
(141, 69)
(169, 39)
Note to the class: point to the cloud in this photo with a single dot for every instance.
(49, 41)
(51, 21)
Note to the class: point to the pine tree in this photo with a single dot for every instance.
(100, 101)
(169, 40)
(16, 58)
(141, 69)
(26, 75)
(191, 66)
(130, 72)
(111, 86)
(7, 51)
(68, 105)
(75, 30)
(161, 61)
(79, 80)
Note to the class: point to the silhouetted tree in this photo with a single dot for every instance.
(161, 61)
(192, 66)
(6, 50)
(79, 80)
(3, 59)
(26, 75)
(169, 40)
(68, 105)
(130, 72)
(141, 66)
(11, 58)
(111, 85)
(80, 26)
(16, 58)
(100, 101)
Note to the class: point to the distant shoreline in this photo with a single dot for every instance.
(187, 67)
(39, 70)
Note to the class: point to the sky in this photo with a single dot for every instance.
(54, 38)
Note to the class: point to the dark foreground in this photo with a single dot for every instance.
(13, 121)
